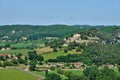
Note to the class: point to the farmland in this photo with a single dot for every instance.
(12, 74)
(52, 55)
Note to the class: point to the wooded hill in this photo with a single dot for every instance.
(33, 32)
(36, 32)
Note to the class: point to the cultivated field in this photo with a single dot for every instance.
(52, 55)
(13, 74)
(44, 49)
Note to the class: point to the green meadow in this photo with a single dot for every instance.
(16, 51)
(13, 74)
(52, 55)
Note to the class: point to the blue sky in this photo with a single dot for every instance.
(40, 12)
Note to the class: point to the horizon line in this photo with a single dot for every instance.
(64, 24)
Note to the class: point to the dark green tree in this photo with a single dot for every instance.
(76, 77)
(54, 50)
(32, 55)
(32, 66)
(53, 76)
(91, 72)
(40, 58)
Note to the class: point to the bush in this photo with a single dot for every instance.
(78, 49)
(52, 68)
(15, 62)
(66, 50)
(54, 50)
(60, 71)
(118, 68)
(53, 76)
(6, 63)
(1, 64)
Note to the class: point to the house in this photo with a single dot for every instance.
(49, 38)
(42, 69)
(24, 38)
(93, 38)
(8, 48)
(55, 64)
(65, 44)
(118, 35)
(109, 65)
(74, 38)
(26, 69)
(2, 49)
(77, 65)
(5, 55)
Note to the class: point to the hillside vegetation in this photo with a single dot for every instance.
(35, 32)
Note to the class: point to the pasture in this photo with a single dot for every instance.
(44, 49)
(16, 51)
(53, 55)
(12, 74)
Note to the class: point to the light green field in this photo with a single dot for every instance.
(16, 51)
(52, 55)
(62, 76)
(117, 72)
(22, 45)
(12, 74)
(42, 74)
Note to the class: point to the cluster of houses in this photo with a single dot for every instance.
(76, 65)
(3, 49)
(8, 57)
(73, 65)
(5, 55)
(77, 38)
(52, 38)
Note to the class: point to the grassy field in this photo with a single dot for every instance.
(73, 71)
(40, 73)
(38, 43)
(52, 55)
(16, 51)
(117, 72)
(13, 74)
(44, 49)
(21, 47)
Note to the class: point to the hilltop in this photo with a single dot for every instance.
(34, 32)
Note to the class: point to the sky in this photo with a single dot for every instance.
(71, 12)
